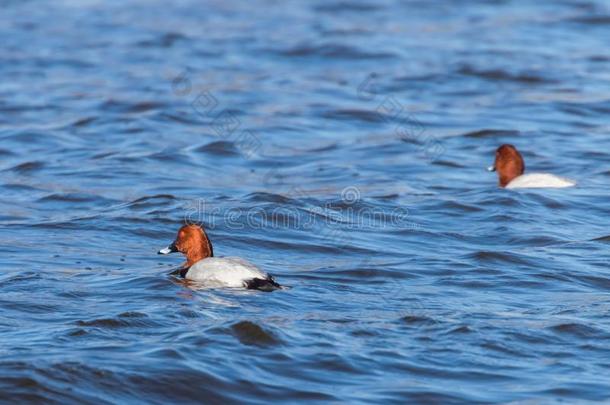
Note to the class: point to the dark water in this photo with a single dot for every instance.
(340, 146)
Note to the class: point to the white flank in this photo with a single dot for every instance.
(224, 272)
(540, 180)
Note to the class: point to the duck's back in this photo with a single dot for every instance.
(224, 272)
(540, 180)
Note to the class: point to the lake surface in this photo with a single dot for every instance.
(341, 146)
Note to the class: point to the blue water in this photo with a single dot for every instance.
(340, 146)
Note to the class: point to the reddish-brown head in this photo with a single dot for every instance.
(193, 242)
(509, 164)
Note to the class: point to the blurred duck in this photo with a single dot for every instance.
(510, 167)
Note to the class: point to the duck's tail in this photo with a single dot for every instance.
(267, 284)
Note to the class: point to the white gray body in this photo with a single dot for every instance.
(540, 180)
(224, 272)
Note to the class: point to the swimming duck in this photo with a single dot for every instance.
(201, 265)
(510, 167)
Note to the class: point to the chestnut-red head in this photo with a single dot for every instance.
(191, 241)
(509, 164)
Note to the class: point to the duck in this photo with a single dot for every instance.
(201, 266)
(510, 167)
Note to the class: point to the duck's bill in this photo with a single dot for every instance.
(170, 249)
(491, 168)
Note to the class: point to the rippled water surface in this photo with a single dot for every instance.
(340, 146)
